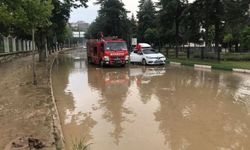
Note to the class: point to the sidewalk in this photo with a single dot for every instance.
(25, 110)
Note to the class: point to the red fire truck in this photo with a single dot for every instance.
(107, 51)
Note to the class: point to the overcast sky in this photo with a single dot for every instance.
(89, 14)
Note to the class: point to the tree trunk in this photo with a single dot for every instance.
(236, 47)
(176, 51)
(33, 57)
(159, 45)
(176, 38)
(188, 52)
(217, 31)
(42, 52)
(46, 47)
(202, 53)
(230, 47)
(167, 52)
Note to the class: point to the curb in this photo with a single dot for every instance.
(241, 70)
(175, 63)
(60, 141)
(202, 66)
(56, 116)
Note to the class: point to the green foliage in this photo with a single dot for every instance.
(171, 18)
(151, 35)
(228, 38)
(95, 29)
(49, 17)
(112, 20)
(190, 25)
(133, 26)
(146, 17)
(5, 15)
(245, 38)
(235, 17)
(37, 12)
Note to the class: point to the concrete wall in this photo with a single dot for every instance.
(13, 45)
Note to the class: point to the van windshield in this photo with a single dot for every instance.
(116, 46)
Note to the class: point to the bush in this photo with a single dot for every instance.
(245, 38)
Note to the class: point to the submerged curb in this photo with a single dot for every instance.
(241, 70)
(202, 66)
(60, 142)
(175, 63)
(210, 67)
(57, 122)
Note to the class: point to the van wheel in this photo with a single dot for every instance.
(144, 63)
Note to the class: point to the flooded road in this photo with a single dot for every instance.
(151, 108)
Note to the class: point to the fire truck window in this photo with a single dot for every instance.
(116, 46)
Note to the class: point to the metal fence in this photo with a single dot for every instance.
(206, 53)
(10, 45)
(1, 45)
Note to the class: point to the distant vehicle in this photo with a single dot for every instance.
(147, 57)
(144, 45)
(107, 51)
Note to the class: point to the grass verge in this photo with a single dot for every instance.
(223, 65)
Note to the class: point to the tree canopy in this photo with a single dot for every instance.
(112, 20)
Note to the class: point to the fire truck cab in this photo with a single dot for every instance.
(107, 51)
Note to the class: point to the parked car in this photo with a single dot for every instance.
(147, 56)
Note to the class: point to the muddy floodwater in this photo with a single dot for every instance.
(151, 108)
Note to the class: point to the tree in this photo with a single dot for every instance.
(37, 13)
(211, 15)
(236, 17)
(171, 18)
(43, 18)
(228, 38)
(11, 14)
(95, 28)
(114, 17)
(245, 38)
(133, 26)
(151, 36)
(6, 18)
(146, 17)
(112, 20)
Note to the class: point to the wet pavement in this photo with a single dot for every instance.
(154, 107)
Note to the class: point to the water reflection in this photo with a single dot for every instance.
(152, 107)
(113, 86)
